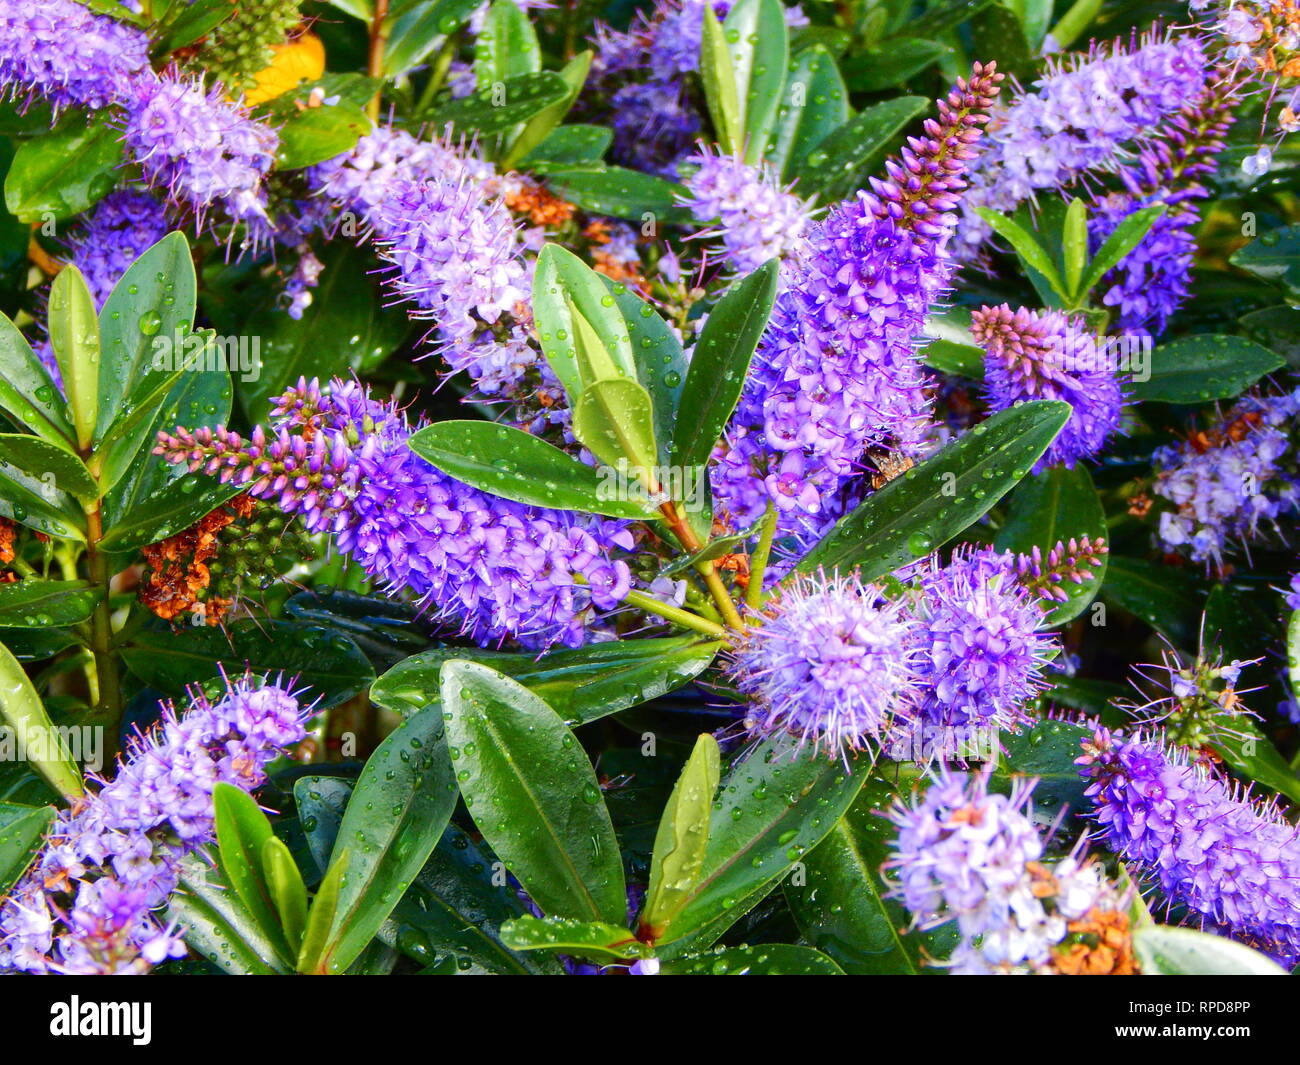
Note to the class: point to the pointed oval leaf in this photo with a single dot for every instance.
(22, 710)
(767, 959)
(35, 603)
(614, 420)
(533, 794)
(74, 336)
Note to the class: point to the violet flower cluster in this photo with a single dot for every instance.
(1232, 861)
(1151, 282)
(89, 905)
(494, 568)
(842, 665)
(202, 149)
(837, 371)
(965, 855)
(1033, 355)
(1227, 484)
(1081, 116)
(746, 210)
(60, 52)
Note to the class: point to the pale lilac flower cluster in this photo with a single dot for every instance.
(834, 665)
(1230, 860)
(1033, 355)
(60, 52)
(1293, 593)
(203, 150)
(90, 903)
(837, 372)
(1080, 116)
(1226, 483)
(451, 241)
(840, 664)
(964, 855)
(495, 568)
(744, 207)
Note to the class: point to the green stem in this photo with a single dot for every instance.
(686, 536)
(758, 562)
(109, 700)
(675, 614)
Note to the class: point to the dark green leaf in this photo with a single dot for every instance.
(569, 147)
(580, 684)
(326, 663)
(1198, 369)
(52, 464)
(321, 802)
(1166, 598)
(508, 462)
(522, 97)
(416, 31)
(1274, 256)
(832, 168)
(65, 171)
(216, 924)
(620, 193)
(720, 363)
(22, 830)
(767, 959)
(775, 806)
(583, 939)
(917, 512)
(1057, 505)
(814, 104)
(192, 23)
(27, 392)
(315, 134)
(397, 813)
(533, 793)
(900, 59)
(39, 604)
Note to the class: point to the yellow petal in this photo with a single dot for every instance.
(302, 59)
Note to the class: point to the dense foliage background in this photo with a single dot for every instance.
(611, 487)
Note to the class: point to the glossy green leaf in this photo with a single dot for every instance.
(74, 336)
(508, 462)
(1046, 752)
(398, 810)
(455, 909)
(756, 35)
(1076, 19)
(1198, 369)
(35, 603)
(287, 890)
(27, 392)
(683, 836)
(216, 924)
(1051, 507)
(939, 17)
(1126, 236)
(48, 463)
(813, 105)
(563, 283)
(314, 134)
(1074, 243)
(1026, 245)
(997, 33)
(581, 684)
(583, 939)
(320, 802)
(22, 831)
(521, 97)
(569, 147)
(661, 365)
(418, 30)
(934, 501)
(242, 833)
(647, 199)
(1293, 651)
(66, 171)
(327, 664)
(775, 806)
(533, 793)
(1163, 950)
(720, 87)
(39, 504)
(506, 46)
(23, 712)
(321, 916)
(832, 168)
(898, 60)
(154, 499)
(720, 362)
(191, 24)
(540, 126)
(767, 959)
(1246, 749)
(614, 420)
